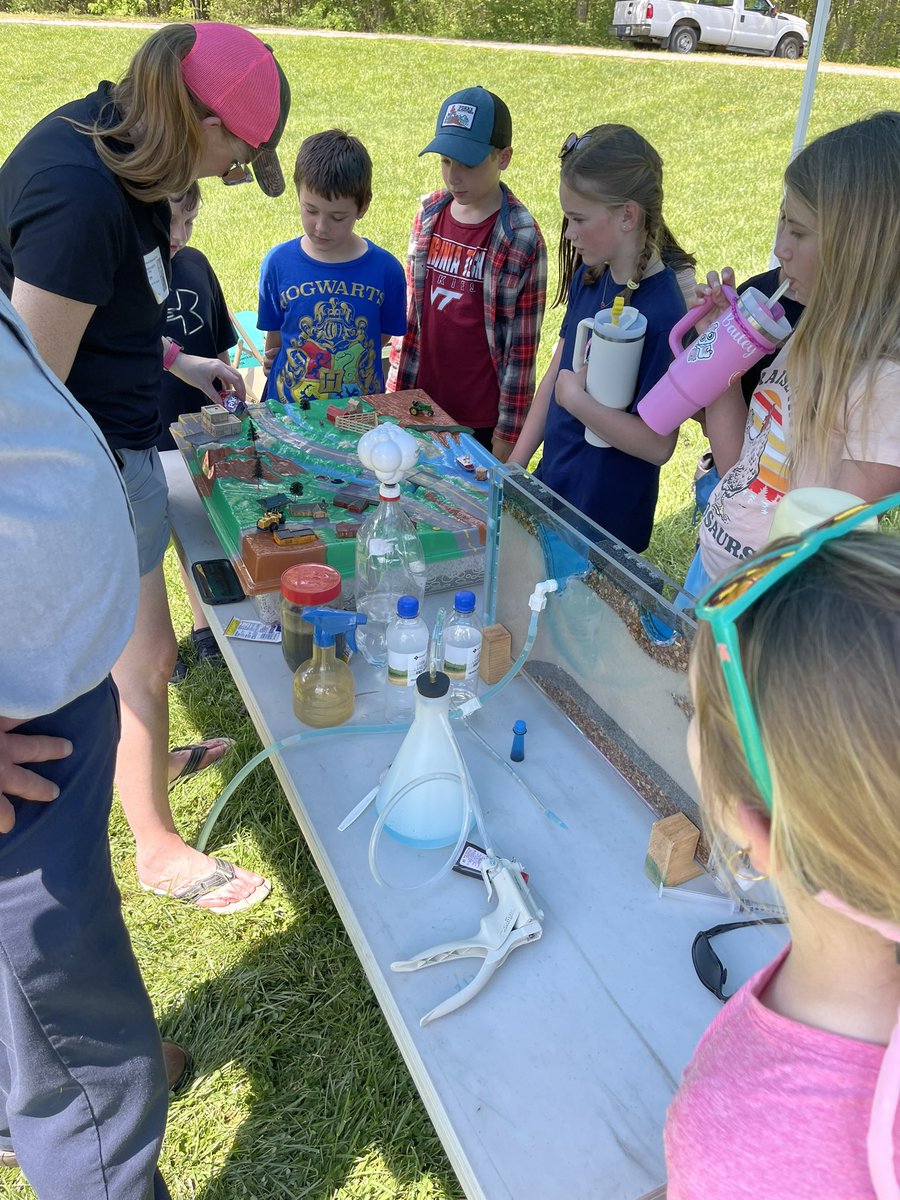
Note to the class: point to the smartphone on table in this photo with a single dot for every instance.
(217, 581)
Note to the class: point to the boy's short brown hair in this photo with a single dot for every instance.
(191, 198)
(335, 165)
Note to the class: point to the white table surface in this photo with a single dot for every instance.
(555, 1080)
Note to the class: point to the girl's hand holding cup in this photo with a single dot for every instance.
(713, 287)
(571, 390)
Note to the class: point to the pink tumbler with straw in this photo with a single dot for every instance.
(752, 327)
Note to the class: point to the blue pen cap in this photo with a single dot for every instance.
(407, 607)
(464, 602)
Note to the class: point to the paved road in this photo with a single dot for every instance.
(679, 60)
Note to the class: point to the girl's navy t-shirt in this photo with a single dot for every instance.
(614, 489)
(68, 227)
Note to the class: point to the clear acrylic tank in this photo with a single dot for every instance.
(611, 651)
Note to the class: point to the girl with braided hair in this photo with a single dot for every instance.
(614, 242)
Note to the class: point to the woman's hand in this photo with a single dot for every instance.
(269, 359)
(202, 373)
(16, 779)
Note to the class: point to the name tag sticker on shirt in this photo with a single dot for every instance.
(156, 274)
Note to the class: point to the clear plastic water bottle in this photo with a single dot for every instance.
(462, 649)
(390, 563)
(407, 656)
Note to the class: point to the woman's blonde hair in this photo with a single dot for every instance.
(821, 656)
(850, 179)
(155, 147)
(616, 164)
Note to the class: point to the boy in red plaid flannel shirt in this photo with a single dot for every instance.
(476, 277)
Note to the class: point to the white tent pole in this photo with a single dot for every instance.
(813, 57)
(814, 54)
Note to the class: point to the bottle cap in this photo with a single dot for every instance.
(520, 727)
(310, 584)
(464, 602)
(407, 606)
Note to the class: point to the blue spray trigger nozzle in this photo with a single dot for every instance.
(327, 623)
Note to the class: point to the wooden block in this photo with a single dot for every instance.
(670, 854)
(495, 653)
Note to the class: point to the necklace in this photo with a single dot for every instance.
(630, 285)
(604, 303)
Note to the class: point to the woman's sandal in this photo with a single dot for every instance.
(197, 752)
(192, 893)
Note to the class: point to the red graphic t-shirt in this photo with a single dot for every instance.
(456, 367)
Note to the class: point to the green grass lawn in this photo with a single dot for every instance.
(300, 1090)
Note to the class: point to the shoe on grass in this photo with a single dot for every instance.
(179, 1067)
(178, 672)
(201, 756)
(192, 893)
(206, 647)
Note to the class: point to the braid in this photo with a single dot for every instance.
(652, 223)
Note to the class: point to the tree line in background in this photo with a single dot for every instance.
(859, 31)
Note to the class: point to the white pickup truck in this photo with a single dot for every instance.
(749, 26)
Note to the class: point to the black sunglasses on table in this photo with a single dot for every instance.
(709, 967)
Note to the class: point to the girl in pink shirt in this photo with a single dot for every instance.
(791, 1094)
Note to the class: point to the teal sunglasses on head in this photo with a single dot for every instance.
(731, 597)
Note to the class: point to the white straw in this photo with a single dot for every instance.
(779, 293)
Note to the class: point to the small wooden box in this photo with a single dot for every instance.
(495, 653)
(670, 854)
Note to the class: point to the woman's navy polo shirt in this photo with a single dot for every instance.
(613, 488)
(68, 227)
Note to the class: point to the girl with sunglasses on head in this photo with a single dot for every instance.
(826, 411)
(614, 242)
(795, 674)
(84, 257)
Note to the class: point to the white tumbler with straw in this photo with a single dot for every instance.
(616, 344)
(805, 507)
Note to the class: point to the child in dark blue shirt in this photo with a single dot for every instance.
(614, 242)
(196, 313)
(197, 319)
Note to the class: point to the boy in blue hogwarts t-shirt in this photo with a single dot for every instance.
(331, 299)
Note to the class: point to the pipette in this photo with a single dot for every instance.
(436, 650)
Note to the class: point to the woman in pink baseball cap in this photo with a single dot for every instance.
(84, 257)
(197, 101)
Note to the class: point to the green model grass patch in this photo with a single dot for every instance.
(300, 1089)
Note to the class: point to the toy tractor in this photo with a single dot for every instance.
(419, 408)
(272, 518)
